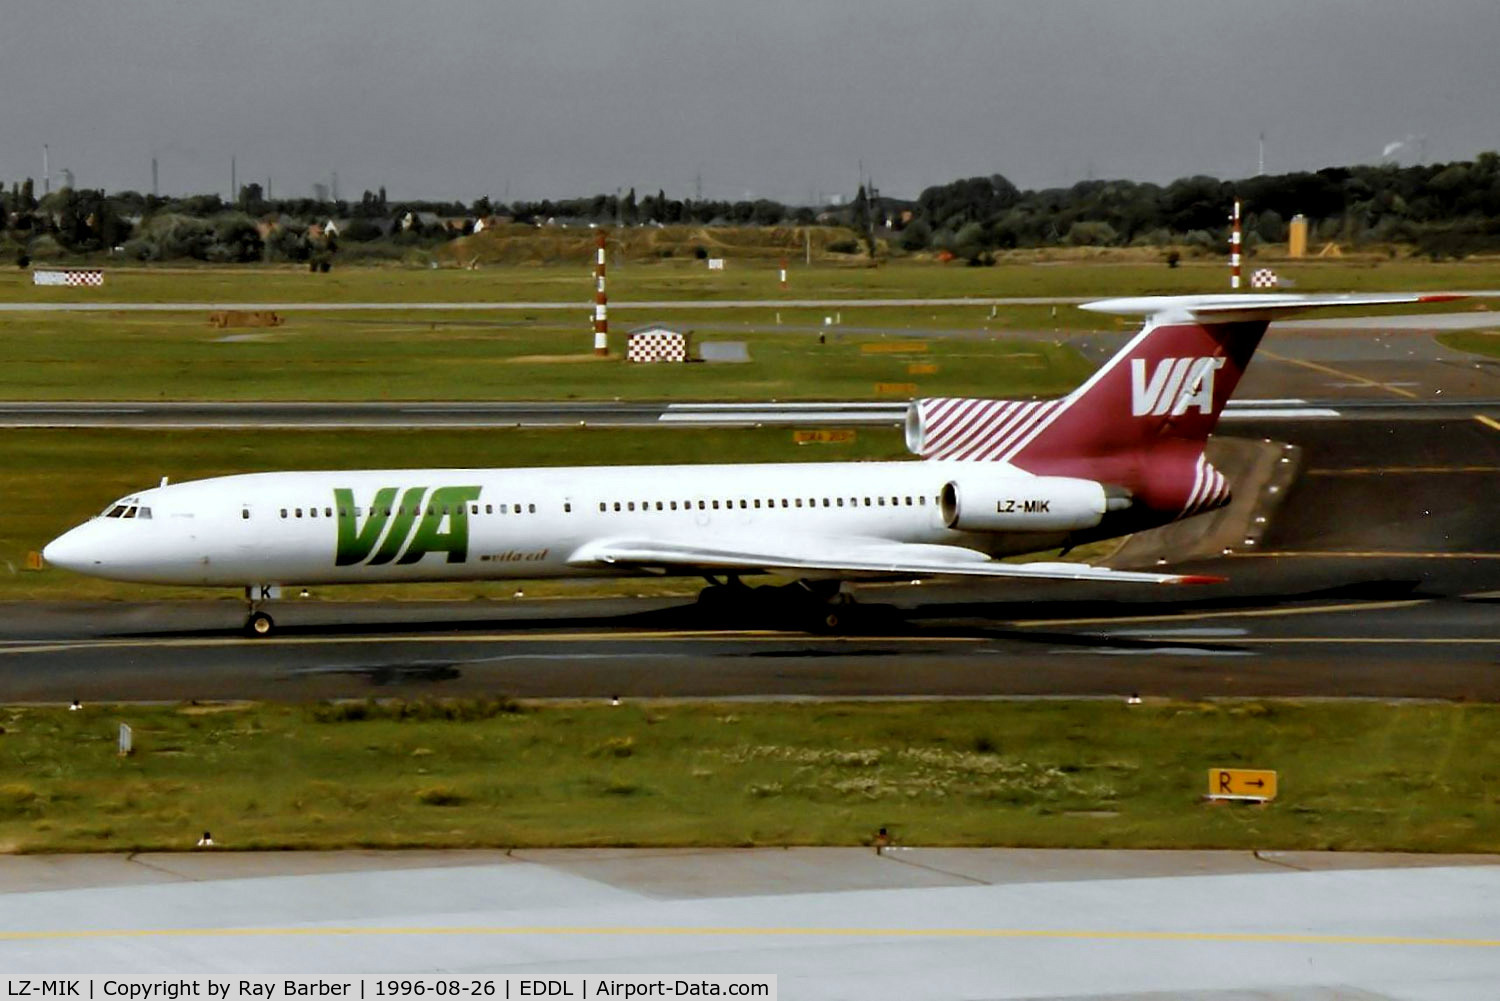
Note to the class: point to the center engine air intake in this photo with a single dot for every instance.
(1027, 504)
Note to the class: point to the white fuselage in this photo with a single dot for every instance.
(475, 524)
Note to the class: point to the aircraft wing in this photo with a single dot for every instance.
(843, 558)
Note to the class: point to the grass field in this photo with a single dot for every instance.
(448, 356)
(1354, 776)
(404, 355)
(1479, 342)
(52, 480)
(1086, 276)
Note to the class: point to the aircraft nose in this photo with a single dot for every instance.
(69, 550)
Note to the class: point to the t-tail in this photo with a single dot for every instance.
(1140, 423)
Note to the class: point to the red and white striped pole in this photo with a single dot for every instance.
(1234, 248)
(783, 272)
(601, 302)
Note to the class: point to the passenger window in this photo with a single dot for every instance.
(283, 512)
(743, 505)
(674, 505)
(617, 505)
(880, 501)
(567, 507)
(840, 501)
(245, 513)
(299, 512)
(490, 508)
(799, 501)
(658, 505)
(783, 502)
(922, 500)
(716, 505)
(702, 505)
(473, 508)
(601, 505)
(867, 502)
(757, 503)
(630, 506)
(312, 512)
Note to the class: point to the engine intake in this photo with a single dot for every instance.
(1027, 504)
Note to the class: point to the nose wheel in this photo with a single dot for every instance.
(259, 625)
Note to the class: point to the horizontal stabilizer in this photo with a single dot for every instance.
(1241, 307)
(844, 557)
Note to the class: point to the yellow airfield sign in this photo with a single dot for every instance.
(1257, 784)
(824, 436)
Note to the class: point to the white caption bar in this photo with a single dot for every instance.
(570, 987)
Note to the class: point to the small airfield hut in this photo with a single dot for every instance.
(657, 343)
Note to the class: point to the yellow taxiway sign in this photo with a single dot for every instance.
(1241, 783)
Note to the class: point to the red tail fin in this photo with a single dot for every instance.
(1141, 421)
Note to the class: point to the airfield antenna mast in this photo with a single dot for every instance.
(1260, 162)
(1234, 247)
(155, 191)
(601, 301)
(46, 172)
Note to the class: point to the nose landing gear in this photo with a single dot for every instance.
(258, 622)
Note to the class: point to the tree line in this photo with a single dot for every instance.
(1442, 210)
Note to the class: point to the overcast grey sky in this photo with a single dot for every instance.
(775, 98)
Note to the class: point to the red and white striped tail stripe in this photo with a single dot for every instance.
(1210, 489)
(980, 430)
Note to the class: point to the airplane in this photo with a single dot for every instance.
(992, 478)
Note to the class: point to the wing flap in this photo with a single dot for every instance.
(838, 557)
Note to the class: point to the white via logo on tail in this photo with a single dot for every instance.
(1176, 385)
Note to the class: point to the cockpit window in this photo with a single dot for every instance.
(127, 511)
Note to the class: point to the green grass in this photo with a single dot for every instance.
(1354, 776)
(1479, 342)
(1117, 274)
(52, 480)
(406, 355)
(465, 356)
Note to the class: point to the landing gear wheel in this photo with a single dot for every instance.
(259, 625)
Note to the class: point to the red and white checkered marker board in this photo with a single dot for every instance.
(657, 345)
(73, 277)
(1264, 278)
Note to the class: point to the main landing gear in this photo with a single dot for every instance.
(814, 605)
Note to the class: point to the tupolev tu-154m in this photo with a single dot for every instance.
(992, 478)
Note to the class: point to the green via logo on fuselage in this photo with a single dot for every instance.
(443, 528)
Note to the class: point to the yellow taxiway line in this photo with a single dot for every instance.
(768, 931)
(1329, 370)
(1247, 613)
(1329, 554)
(1488, 422)
(1398, 470)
